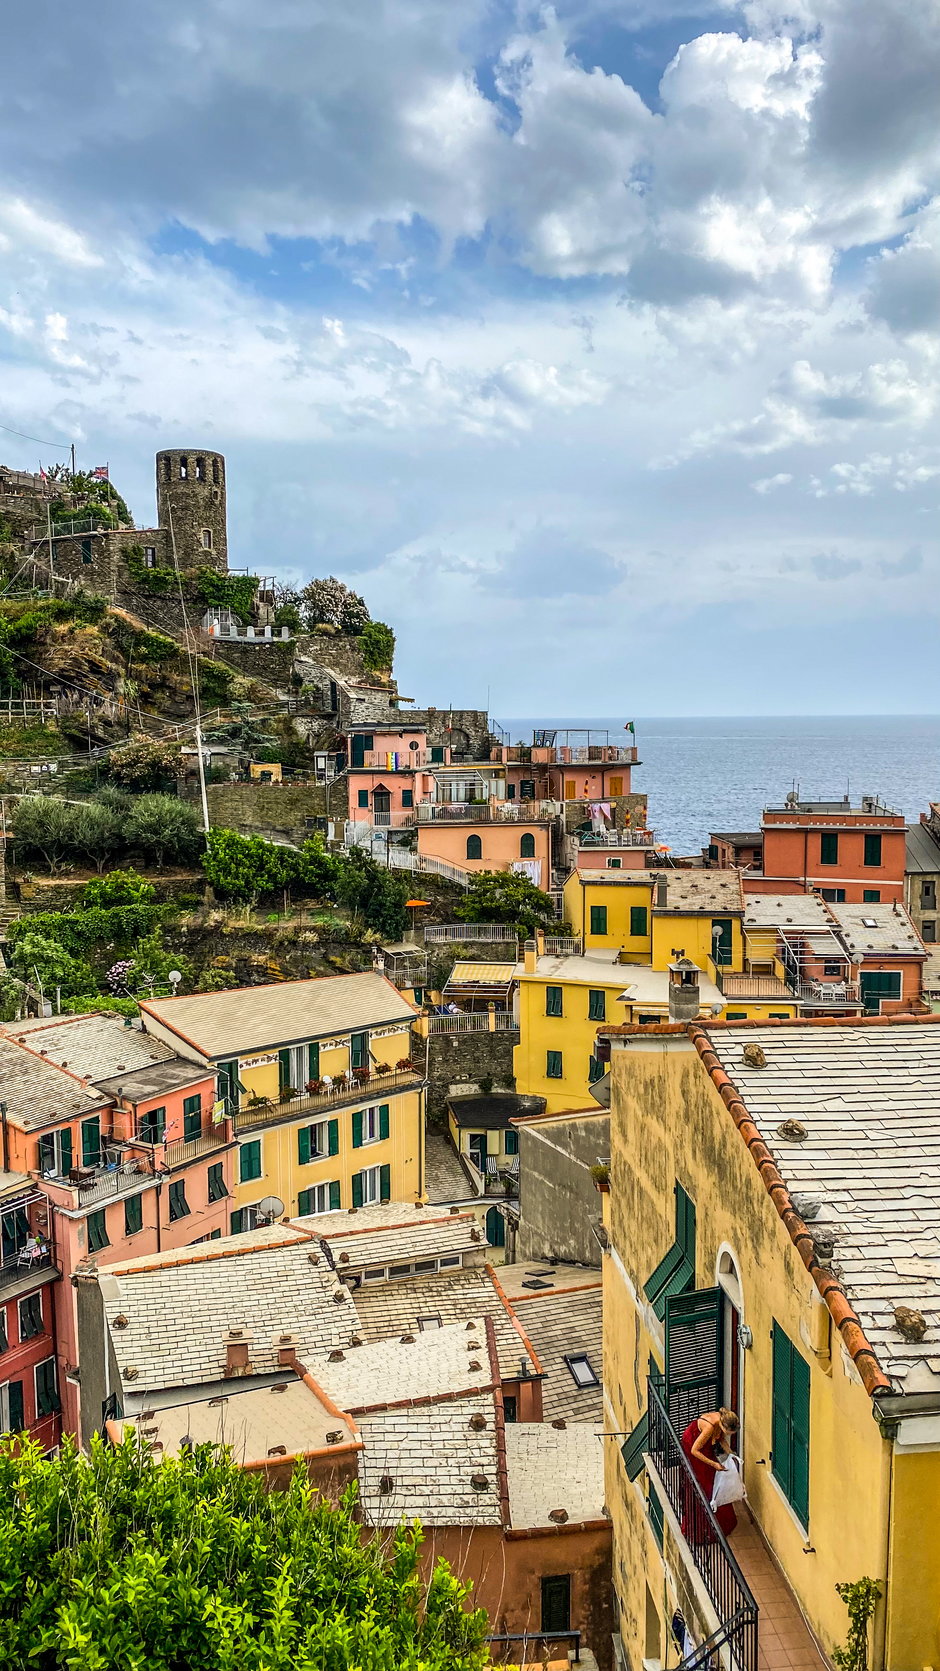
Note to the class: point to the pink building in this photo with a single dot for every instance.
(29, 1381)
(119, 1138)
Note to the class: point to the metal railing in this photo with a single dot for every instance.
(829, 995)
(721, 1576)
(617, 838)
(111, 1182)
(532, 1637)
(438, 933)
(485, 812)
(401, 858)
(561, 945)
(373, 1089)
(20, 1264)
(184, 1149)
(481, 1021)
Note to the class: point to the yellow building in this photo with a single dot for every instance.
(772, 1222)
(651, 919)
(328, 1107)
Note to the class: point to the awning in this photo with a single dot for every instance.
(480, 980)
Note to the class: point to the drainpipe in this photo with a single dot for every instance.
(805, 860)
(159, 1193)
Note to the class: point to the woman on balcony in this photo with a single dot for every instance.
(706, 1442)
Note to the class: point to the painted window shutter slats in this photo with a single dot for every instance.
(333, 1134)
(357, 1189)
(313, 1061)
(283, 1058)
(357, 1130)
(65, 1146)
(303, 1145)
(694, 1379)
(385, 1183)
(91, 1141)
(632, 1448)
(685, 1224)
(383, 1122)
(334, 1194)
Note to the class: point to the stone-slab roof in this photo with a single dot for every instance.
(553, 1468)
(95, 1046)
(249, 1419)
(712, 892)
(180, 1306)
(494, 1112)
(873, 930)
(868, 1096)
(791, 911)
(445, 1178)
(560, 1323)
(392, 1234)
(39, 1093)
(415, 1364)
(391, 1308)
(426, 1459)
(220, 1024)
(156, 1080)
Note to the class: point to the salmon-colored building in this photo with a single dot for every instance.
(29, 1383)
(124, 1163)
(851, 855)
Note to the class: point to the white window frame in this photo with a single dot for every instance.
(574, 1360)
(57, 1141)
(371, 1131)
(5, 1405)
(207, 539)
(321, 1197)
(371, 1185)
(319, 1147)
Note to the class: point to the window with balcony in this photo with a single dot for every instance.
(98, 1231)
(133, 1215)
(553, 1000)
(370, 1125)
(598, 919)
(829, 848)
(47, 1391)
(320, 1198)
(216, 1182)
(371, 1185)
(249, 1161)
(790, 1423)
(192, 1118)
(179, 1206)
(228, 1086)
(358, 1050)
(554, 1066)
(597, 1006)
(152, 1125)
(31, 1322)
(316, 1141)
(872, 854)
(55, 1153)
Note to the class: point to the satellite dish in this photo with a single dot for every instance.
(270, 1208)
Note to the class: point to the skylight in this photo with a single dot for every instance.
(582, 1370)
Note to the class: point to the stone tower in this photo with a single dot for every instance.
(191, 498)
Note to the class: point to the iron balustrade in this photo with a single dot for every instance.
(373, 1089)
(531, 1637)
(721, 1576)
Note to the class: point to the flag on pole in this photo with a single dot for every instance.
(629, 727)
(100, 473)
(42, 474)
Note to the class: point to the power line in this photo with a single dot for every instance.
(56, 446)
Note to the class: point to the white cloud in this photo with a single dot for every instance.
(768, 484)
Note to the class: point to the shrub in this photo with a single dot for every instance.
(144, 763)
(377, 643)
(119, 887)
(163, 828)
(328, 603)
(215, 681)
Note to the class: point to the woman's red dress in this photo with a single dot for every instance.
(693, 1526)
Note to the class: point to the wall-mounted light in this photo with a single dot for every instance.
(745, 1337)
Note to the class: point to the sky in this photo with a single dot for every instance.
(597, 345)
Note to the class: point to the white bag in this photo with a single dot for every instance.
(728, 1486)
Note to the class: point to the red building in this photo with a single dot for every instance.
(850, 855)
(29, 1384)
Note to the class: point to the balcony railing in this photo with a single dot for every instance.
(617, 838)
(717, 1568)
(373, 1089)
(183, 1150)
(485, 812)
(474, 1021)
(21, 1263)
(438, 933)
(829, 995)
(399, 819)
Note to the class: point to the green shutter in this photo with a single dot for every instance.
(694, 1377)
(872, 855)
(672, 1275)
(598, 919)
(238, 1221)
(249, 1161)
(357, 1130)
(333, 1135)
(685, 1224)
(780, 1425)
(638, 926)
(632, 1448)
(283, 1070)
(385, 1183)
(359, 1050)
(383, 1122)
(829, 848)
(313, 1061)
(303, 1202)
(654, 1509)
(65, 1149)
(133, 1214)
(334, 1196)
(357, 1189)
(554, 1066)
(91, 1141)
(303, 1145)
(553, 1000)
(511, 1142)
(799, 1425)
(15, 1401)
(597, 1006)
(790, 1430)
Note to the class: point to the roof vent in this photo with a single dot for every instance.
(281, 1387)
(479, 1482)
(314, 1258)
(386, 1484)
(793, 1131)
(478, 1422)
(334, 1437)
(356, 1340)
(407, 1340)
(754, 1057)
(470, 1328)
(475, 1236)
(560, 1422)
(340, 1295)
(454, 1211)
(474, 1346)
(120, 1321)
(558, 1515)
(344, 1259)
(912, 1325)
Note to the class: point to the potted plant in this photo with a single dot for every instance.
(361, 1076)
(313, 1087)
(288, 1093)
(406, 1065)
(601, 1176)
(382, 1067)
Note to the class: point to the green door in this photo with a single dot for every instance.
(495, 1228)
(721, 941)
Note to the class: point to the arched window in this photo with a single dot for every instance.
(200, 469)
(474, 847)
(527, 846)
(184, 469)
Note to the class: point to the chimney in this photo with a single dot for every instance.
(286, 1351)
(236, 1352)
(662, 893)
(684, 998)
(540, 942)
(530, 954)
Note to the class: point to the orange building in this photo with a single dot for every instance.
(851, 855)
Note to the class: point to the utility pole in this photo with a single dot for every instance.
(202, 778)
(73, 457)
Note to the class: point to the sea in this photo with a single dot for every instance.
(717, 774)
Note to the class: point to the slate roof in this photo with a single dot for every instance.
(179, 1307)
(868, 1095)
(493, 1113)
(462, 1296)
(445, 1178)
(392, 1234)
(429, 1454)
(92, 1045)
(923, 851)
(785, 911)
(877, 929)
(247, 1418)
(711, 892)
(157, 1079)
(553, 1468)
(564, 1322)
(39, 1093)
(220, 1024)
(418, 1364)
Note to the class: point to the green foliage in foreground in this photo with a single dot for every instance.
(120, 1563)
(499, 896)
